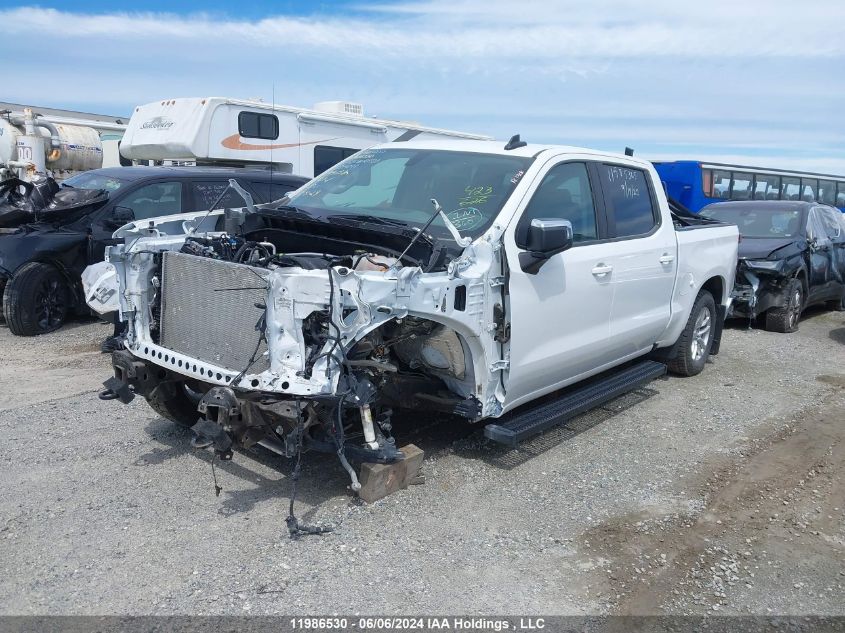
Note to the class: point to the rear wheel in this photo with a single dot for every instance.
(175, 402)
(697, 338)
(785, 319)
(36, 300)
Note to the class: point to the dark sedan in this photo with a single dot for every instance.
(43, 255)
(791, 255)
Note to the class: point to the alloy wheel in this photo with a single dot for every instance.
(701, 334)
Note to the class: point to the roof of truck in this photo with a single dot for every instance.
(498, 147)
(139, 172)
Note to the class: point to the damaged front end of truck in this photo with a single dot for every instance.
(300, 333)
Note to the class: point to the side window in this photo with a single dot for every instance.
(766, 187)
(741, 186)
(563, 194)
(206, 193)
(628, 200)
(326, 156)
(808, 189)
(790, 188)
(815, 226)
(258, 125)
(840, 194)
(721, 184)
(832, 224)
(827, 192)
(150, 201)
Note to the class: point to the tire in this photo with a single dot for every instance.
(172, 402)
(696, 340)
(36, 300)
(785, 319)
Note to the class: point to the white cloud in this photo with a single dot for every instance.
(715, 78)
(488, 29)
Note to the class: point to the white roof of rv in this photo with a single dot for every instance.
(352, 118)
(498, 147)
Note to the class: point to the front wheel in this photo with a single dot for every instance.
(785, 319)
(697, 338)
(36, 300)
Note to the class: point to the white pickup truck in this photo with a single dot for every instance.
(467, 277)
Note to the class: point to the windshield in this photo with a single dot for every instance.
(395, 186)
(757, 222)
(94, 180)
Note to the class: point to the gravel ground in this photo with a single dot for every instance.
(724, 492)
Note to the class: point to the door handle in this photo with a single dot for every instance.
(601, 270)
(667, 259)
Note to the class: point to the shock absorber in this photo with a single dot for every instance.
(367, 423)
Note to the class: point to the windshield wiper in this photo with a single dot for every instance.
(372, 219)
(296, 211)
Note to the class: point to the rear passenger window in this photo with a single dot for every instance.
(628, 200)
(206, 194)
(564, 194)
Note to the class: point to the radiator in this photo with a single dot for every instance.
(208, 311)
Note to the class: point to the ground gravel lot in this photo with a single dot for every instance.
(724, 492)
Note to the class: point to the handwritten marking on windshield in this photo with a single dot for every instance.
(466, 219)
(475, 195)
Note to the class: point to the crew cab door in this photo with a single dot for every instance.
(560, 316)
(644, 257)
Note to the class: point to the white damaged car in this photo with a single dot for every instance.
(463, 277)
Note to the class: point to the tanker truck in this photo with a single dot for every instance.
(32, 147)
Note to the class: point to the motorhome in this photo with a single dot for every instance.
(238, 133)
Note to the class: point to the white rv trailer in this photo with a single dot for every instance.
(221, 131)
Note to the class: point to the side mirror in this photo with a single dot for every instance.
(546, 238)
(120, 216)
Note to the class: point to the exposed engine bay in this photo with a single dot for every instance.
(306, 350)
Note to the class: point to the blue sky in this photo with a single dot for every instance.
(745, 82)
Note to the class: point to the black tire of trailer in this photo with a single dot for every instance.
(685, 363)
(785, 319)
(173, 401)
(36, 300)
